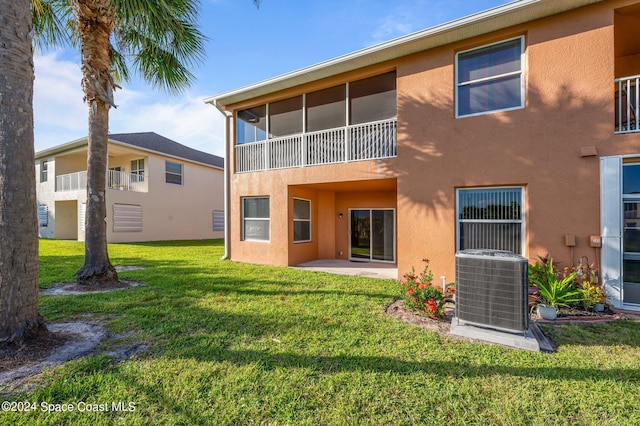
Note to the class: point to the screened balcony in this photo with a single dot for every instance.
(627, 97)
(354, 121)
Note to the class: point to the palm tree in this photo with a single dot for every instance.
(158, 38)
(18, 226)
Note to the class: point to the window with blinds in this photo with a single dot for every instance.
(491, 218)
(218, 220)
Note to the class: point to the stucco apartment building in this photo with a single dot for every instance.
(157, 189)
(514, 129)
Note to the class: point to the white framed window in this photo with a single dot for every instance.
(173, 173)
(256, 222)
(137, 170)
(218, 220)
(491, 218)
(490, 78)
(301, 220)
(43, 215)
(44, 166)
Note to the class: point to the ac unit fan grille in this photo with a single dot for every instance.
(491, 291)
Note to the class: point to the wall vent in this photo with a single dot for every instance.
(492, 290)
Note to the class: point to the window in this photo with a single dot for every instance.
(491, 218)
(301, 220)
(137, 170)
(255, 218)
(127, 218)
(43, 215)
(490, 78)
(44, 165)
(173, 172)
(218, 220)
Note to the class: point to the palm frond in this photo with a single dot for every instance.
(161, 40)
(53, 24)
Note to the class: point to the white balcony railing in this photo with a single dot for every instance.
(125, 181)
(367, 141)
(627, 97)
(71, 181)
(115, 180)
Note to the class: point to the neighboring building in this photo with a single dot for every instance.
(157, 189)
(514, 128)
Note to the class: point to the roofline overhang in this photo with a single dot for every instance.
(79, 143)
(490, 20)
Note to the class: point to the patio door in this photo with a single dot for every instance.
(372, 235)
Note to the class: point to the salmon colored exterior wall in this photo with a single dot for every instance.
(569, 72)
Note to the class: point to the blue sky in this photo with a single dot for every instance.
(245, 45)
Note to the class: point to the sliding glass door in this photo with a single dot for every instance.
(372, 234)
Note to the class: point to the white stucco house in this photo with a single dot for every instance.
(157, 189)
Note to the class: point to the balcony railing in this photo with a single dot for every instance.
(627, 97)
(71, 181)
(369, 141)
(115, 180)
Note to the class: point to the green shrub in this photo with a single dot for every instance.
(419, 293)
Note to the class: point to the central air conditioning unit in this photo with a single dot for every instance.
(492, 290)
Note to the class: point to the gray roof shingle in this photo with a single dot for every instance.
(155, 142)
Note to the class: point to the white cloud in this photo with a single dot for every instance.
(61, 116)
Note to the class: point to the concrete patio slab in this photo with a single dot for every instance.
(345, 267)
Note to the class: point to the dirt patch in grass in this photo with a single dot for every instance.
(62, 289)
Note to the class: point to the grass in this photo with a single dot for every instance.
(232, 343)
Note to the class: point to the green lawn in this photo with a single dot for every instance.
(232, 343)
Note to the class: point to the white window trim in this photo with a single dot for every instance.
(174, 174)
(44, 172)
(138, 170)
(522, 221)
(303, 220)
(268, 219)
(466, 83)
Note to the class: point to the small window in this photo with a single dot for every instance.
(137, 170)
(43, 215)
(173, 173)
(301, 220)
(218, 220)
(255, 219)
(44, 166)
(491, 218)
(490, 78)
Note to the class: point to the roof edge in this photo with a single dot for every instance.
(390, 50)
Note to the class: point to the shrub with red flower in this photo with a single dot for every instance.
(419, 293)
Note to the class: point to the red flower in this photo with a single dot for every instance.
(410, 292)
(422, 286)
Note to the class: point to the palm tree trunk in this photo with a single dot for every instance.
(18, 219)
(96, 20)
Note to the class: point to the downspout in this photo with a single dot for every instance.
(227, 171)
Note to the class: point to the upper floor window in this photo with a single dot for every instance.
(137, 170)
(173, 172)
(44, 165)
(490, 78)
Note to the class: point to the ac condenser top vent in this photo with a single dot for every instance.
(492, 289)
